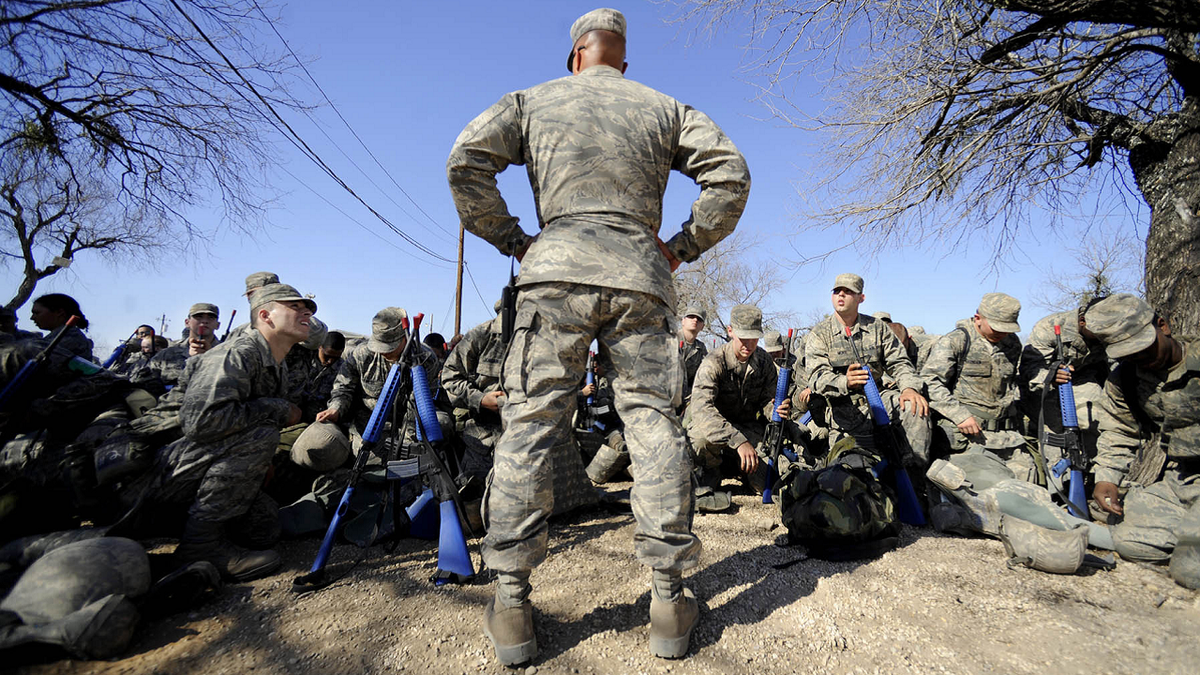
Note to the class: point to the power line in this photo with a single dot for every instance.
(292, 136)
(444, 232)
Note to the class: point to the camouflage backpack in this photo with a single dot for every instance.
(840, 510)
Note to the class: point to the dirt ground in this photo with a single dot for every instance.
(937, 604)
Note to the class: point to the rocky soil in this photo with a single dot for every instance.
(937, 604)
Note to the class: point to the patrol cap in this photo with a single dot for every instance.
(387, 330)
(883, 316)
(204, 308)
(260, 279)
(1001, 311)
(597, 19)
(746, 321)
(916, 330)
(772, 341)
(1123, 322)
(697, 311)
(279, 293)
(849, 281)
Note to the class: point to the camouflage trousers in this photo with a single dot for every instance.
(850, 416)
(219, 481)
(1160, 516)
(555, 324)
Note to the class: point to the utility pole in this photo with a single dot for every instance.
(458, 282)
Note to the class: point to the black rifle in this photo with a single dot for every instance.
(776, 426)
(508, 299)
(230, 326)
(908, 507)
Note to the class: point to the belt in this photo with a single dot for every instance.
(989, 422)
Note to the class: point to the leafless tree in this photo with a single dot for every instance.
(951, 119)
(50, 216)
(158, 105)
(731, 274)
(1107, 263)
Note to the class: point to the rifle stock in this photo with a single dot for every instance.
(908, 507)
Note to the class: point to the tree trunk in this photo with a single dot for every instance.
(1168, 175)
(24, 291)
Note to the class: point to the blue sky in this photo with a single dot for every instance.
(408, 76)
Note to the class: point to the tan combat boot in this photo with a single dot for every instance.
(671, 625)
(511, 631)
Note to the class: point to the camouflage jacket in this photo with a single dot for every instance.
(235, 386)
(598, 149)
(828, 355)
(361, 377)
(693, 355)
(1088, 357)
(982, 375)
(318, 387)
(163, 370)
(472, 369)
(1171, 401)
(131, 360)
(727, 391)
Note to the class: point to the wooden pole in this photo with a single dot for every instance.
(458, 282)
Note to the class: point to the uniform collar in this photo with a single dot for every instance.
(601, 70)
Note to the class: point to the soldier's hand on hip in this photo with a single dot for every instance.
(970, 427)
(749, 458)
(1063, 375)
(330, 415)
(919, 404)
(1109, 499)
(856, 376)
(671, 259)
(294, 414)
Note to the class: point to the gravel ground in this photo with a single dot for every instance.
(937, 604)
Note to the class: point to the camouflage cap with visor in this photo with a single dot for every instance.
(850, 282)
(388, 330)
(1001, 311)
(280, 293)
(204, 308)
(696, 311)
(260, 279)
(597, 19)
(746, 322)
(1123, 322)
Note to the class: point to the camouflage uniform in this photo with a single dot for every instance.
(729, 402)
(827, 357)
(693, 354)
(599, 149)
(360, 381)
(471, 371)
(968, 376)
(232, 408)
(318, 387)
(1162, 517)
(162, 371)
(1087, 380)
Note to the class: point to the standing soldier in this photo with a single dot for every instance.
(691, 348)
(599, 149)
(972, 377)
(1152, 405)
(835, 374)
